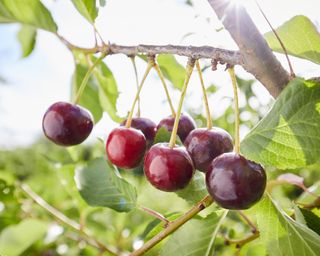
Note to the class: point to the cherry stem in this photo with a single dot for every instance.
(133, 60)
(65, 220)
(250, 223)
(86, 78)
(174, 225)
(236, 110)
(205, 96)
(189, 70)
(149, 67)
(155, 214)
(157, 68)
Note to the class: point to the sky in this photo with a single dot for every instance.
(34, 83)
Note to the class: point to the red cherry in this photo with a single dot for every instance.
(186, 125)
(125, 147)
(235, 182)
(168, 169)
(67, 124)
(204, 145)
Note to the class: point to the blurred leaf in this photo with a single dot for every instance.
(306, 197)
(196, 190)
(300, 38)
(27, 38)
(281, 234)
(172, 70)
(194, 238)
(16, 239)
(212, 89)
(90, 97)
(108, 91)
(253, 249)
(29, 12)
(163, 135)
(102, 3)
(87, 8)
(100, 185)
(289, 135)
(311, 219)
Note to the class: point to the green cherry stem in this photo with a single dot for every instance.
(149, 67)
(133, 60)
(86, 78)
(205, 97)
(189, 70)
(157, 68)
(236, 109)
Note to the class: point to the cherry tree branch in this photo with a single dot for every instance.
(257, 57)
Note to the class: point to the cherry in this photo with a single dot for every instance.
(125, 147)
(168, 169)
(67, 124)
(204, 145)
(186, 125)
(145, 125)
(235, 182)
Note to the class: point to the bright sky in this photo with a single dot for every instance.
(44, 78)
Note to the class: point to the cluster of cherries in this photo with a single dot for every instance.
(233, 181)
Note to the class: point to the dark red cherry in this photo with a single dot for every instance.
(186, 125)
(168, 169)
(204, 145)
(67, 124)
(145, 125)
(235, 182)
(125, 147)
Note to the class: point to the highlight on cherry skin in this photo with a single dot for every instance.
(168, 169)
(204, 145)
(126, 147)
(235, 182)
(186, 125)
(146, 126)
(67, 124)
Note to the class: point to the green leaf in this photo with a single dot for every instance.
(15, 239)
(289, 135)
(194, 238)
(87, 8)
(300, 38)
(312, 220)
(100, 185)
(281, 234)
(90, 97)
(172, 70)
(27, 38)
(308, 198)
(196, 190)
(108, 91)
(29, 12)
(163, 135)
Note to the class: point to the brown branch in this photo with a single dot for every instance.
(195, 52)
(258, 58)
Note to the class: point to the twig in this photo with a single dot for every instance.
(155, 214)
(242, 241)
(250, 223)
(67, 221)
(174, 225)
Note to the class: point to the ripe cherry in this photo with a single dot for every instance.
(204, 145)
(67, 124)
(125, 147)
(235, 182)
(186, 125)
(145, 125)
(168, 169)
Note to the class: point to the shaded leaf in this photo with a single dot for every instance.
(100, 185)
(163, 135)
(312, 220)
(15, 239)
(29, 12)
(194, 238)
(300, 38)
(289, 135)
(196, 190)
(90, 97)
(281, 234)
(87, 8)
(27, 38)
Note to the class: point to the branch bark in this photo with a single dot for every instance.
(257, 57)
